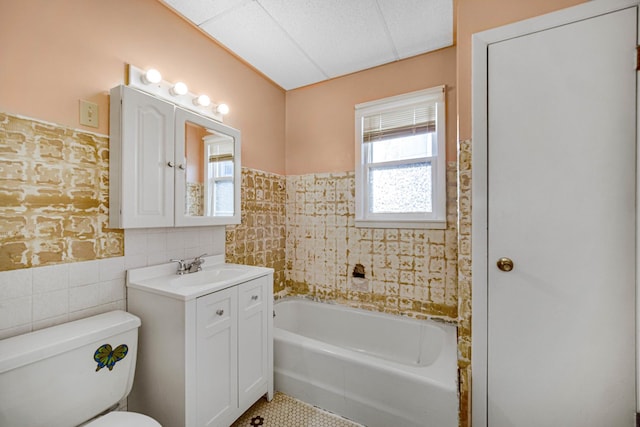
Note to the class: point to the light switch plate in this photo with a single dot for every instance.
(88, 113)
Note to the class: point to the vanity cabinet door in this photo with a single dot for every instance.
(252, 340)
(141, 160)
(217, 358)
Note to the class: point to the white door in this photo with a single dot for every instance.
(561, 205)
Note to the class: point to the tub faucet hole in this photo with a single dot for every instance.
(358, 271)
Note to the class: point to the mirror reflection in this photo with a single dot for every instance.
(209, 172)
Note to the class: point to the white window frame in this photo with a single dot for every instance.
(433, 220)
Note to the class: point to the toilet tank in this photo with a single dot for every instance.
(67, 374)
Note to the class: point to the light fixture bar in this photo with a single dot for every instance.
(170, 92)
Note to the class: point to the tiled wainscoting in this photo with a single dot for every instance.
(260, 237)
(409, 272)
(35, 298)
(54, 189)
(464, 279)
(303, 227)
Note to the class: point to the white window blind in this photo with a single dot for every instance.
(409, 120)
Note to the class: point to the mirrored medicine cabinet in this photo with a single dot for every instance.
(170, 166)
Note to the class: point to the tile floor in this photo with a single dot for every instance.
(285, 411)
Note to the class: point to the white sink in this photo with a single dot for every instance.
(218, 273)
(215, 275)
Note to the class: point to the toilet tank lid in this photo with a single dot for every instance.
(28, 348)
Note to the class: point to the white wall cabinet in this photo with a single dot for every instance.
(204, 361)
(160, 165)
(140, 151)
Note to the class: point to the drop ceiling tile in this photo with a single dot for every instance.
(418, 26)
(250, 32)
(199, 11)
(339, 36)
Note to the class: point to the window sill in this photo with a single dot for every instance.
(431, 225)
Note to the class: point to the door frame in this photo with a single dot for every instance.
(479, 188)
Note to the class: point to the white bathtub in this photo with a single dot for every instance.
(376, 369)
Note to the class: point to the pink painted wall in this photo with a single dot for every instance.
(320, 121)
(320, 127)
(478, 15)
(55, 53)
(194, 152)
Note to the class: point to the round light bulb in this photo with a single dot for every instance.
(179, 89)
(202, 101)
(152, 76)
(222, 109)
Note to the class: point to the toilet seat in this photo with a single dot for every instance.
(123, 419)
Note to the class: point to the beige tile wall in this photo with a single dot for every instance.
(464, 279)
(260, 237)
(53, 195)
(413, 272)
(409, 272)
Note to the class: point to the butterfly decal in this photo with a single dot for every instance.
(106, 356)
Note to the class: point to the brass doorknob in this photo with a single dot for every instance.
(505, 264)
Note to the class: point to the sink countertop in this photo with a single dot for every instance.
(215, 275)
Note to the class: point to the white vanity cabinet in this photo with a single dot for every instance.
(169, 166)
(204, 358)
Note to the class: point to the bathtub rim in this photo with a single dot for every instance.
(437, 320)
(443, 372)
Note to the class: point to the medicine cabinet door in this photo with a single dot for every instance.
(208, 187)
(141, 183)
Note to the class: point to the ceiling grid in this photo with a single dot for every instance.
(301, 42)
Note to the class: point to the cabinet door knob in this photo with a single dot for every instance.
(219, 312)
(254, 297)
(171, 164)
(181, 166)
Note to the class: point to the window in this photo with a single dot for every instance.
(400, 161)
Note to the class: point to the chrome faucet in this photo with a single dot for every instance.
(196, 265)
(191, 267)
(182, 266)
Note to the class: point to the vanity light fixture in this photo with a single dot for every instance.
(202, 101)
(151, 76)
(222, 109)
(150, 81)
(179, 89)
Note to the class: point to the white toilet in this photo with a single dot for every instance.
(70, 374)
